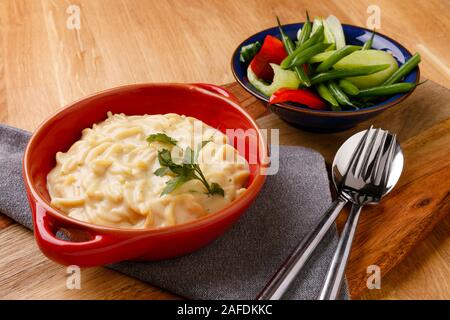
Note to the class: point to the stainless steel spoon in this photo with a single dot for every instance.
(349, 153)
(378, 173)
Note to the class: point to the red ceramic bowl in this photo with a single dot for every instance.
(102, 245)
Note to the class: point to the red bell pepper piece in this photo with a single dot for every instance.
(302, 96)
(306, 68)
(272, 51)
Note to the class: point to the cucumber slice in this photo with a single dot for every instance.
(316, 23)
(366, 58)
(328, 33)
(298, 33)
(336, 28)
(281, 79)
(321, 57)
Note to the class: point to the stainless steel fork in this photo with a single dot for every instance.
(373, 174)
(284, 276)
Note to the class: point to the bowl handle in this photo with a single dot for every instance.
(217, 89)
(101, 249)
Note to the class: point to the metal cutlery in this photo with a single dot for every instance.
(372, 172)
(350, 155)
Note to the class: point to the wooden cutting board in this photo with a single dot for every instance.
(387, 232)
(385, 235)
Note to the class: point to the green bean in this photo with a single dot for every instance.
(313, 39)
(361, 105)
(332, 47)
(306, 31)
(317, 37)
(326, 94)
(290, 47)
(368, 44)
(321, 57)
(340, 96)
(344, 73)
(335, 57)
(348, 87)
(249, 51)
(303, 56)
(386, 90)
(406, 68)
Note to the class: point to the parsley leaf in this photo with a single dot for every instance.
(165, 158)
(200, 147)
(162, 171)
(188, 156)
(188, 170)
(173, 184)
(216, 189)
(161, 137)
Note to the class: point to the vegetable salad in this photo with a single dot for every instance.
(319, 70)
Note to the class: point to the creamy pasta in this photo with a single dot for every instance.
(107, 177)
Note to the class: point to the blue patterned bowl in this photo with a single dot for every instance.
(323, 120)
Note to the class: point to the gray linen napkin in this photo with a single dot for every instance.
(238, 264)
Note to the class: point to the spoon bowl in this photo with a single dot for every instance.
(345, 152)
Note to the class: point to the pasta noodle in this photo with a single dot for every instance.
(107, 177)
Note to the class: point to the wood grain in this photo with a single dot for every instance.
(44, 65)
(30, 275)
(421, 198)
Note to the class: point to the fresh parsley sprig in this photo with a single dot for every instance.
(188, 170)
(161, 137)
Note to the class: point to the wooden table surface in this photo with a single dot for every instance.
(45, 65)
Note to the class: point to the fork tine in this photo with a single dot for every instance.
(365, 161)
(357, 153)
(377, 160)
(389, 160)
